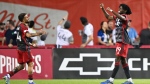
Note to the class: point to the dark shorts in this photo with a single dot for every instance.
(122, 49)
(24, 56)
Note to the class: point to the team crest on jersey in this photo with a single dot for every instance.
(18, 28)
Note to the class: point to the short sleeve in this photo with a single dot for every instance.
(125, 16)
(87, 31)
(135, 33)
(24, 30)
(114, 35)
(58, 27)
(100, 34)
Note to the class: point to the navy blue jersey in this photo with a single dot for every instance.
(11, 34)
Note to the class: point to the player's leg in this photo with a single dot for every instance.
(14, 71)
(115, 70)
(30, 72)
(30, 68)
(126, 70)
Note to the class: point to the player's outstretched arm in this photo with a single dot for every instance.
(116, 14)
(35, 34)
(105, 13)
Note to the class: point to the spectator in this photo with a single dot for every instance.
(11, 34)
(2, 31)
(103, 37)
(64, 36)
(87, 34)
(32, 40)
(110, 27)
(7, 25)
(132, 34)
(145, 36)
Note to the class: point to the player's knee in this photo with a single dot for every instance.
(123, 60)
(30, 64)
(22, 66)
(117, 59)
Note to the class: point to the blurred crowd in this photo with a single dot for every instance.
(105, 34)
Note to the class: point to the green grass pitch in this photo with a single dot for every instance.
(76, 81)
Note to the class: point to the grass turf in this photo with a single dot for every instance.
(76, 81)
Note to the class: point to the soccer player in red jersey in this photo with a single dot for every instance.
(23, 45)
(122, 40)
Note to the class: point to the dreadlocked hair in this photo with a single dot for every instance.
(127, 8)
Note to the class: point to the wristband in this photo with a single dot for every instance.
(63, 18)
(111, 10)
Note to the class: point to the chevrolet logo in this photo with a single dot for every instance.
(63, 66)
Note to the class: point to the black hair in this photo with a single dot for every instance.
(31, 24)
(101, 24)
(11, 22)
(127, 8)
(21, 16)
(67, 24)
(83, 20)
(2, 23)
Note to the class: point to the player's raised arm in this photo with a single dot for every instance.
(116, 14)
(105, 13)
(62, 20)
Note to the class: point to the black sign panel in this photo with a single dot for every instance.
(97, 63)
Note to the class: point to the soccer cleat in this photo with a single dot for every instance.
(106, 82)
(31, 83)
(6, 78)
(127, 82)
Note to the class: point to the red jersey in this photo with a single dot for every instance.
(22, 40)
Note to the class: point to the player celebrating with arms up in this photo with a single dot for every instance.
(122, 40)
(23, 51)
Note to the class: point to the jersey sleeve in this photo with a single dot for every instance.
(71, 39)
(114, 17)
(99, 34)
(135, 33)
(58, 27)
(24, 30)
(87, 31)
(124, 16)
